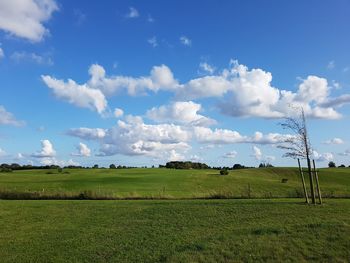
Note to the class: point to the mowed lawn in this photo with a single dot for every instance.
(283, 230)
(169, 183)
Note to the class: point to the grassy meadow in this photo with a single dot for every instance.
(273, 227)
(169, 183)
(283, 230)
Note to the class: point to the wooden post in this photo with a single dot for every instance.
(317, 183)
(309, 169)
(303, 181)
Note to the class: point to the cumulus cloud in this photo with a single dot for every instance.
(225, 136)
(322, 157)
(92, 94)
(83, 150)
(47, 150)
(7, 118)
(133, 13)
(55, 161)
(334, 141)
(79, 95)
(118, 112)
(26, 18)
(345, 153)
(185, 41)
(87, 133)
(206, 68)
(196, 158)
(2, 152)
(2, 53)
(184, 112)
(175, 156)
(134, 137)
(23, 56)
(230, 155)
(257, 154)
(242, 92)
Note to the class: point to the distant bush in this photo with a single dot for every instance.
(331, 164)
(59, 169)
(341, 166)
(224, 172)
(112, 166)
(186, 165)
(284, 180)
(5, 170)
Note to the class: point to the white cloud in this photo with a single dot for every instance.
(257, 154)
(185, 41)
(79, 95)
(118, 112)
(83, 150)
(230, 155)
(322, 157)
(196, 158)
(47, 150)
(242, 92)
(2, 152)
(225, 136)
(160, 78)
(337, 101)
(88, 133)
(133, 13)
(19, 156)
(26, 18)
(153, 41)
(22, 56)
(331, 64)
(7, 118)
(54, 161)
(334, 141)
(345, 153)
(184, 112)
(205, 67)
(133, 137)
(175, 156)
(2, 53)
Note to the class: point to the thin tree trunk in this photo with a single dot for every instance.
(311, 181)
(303, 181)
(317, 183)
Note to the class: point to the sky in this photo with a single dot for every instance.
(141, 83)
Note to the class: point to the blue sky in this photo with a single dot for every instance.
(191, 80)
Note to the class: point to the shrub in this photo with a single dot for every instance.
(5, 170)
(331, 164)
(224, 172)
(284, 180)
(112, 166)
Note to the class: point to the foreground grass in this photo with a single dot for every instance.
(167, 183)
(283, 230)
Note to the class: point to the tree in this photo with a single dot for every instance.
(298, 146)
(331, 164)
(112, 166)
(95, 166)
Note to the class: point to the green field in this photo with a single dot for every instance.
(283, 230)
(169, 183)
(233, 230)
